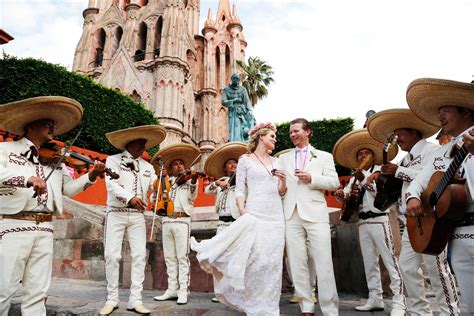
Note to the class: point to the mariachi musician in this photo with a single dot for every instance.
(450, 105)
(221, 165)
(31, 192)
(176, 161)
(411, 133)
(375, 233)
(126, 201)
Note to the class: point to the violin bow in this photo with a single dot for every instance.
(160, 162)
(61, 159)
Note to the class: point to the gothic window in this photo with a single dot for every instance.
(117, 39)
(141, 42)
(218, 68)
(157, 43)
(227, 64)
(98, 47)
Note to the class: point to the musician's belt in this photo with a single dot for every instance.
(369, 214)
(226, 218)
(466, 220)
(179, 215)
(38, 217)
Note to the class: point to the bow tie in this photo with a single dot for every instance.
(131, 163)
(32, 155)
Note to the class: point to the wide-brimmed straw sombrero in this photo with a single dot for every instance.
(281, 152)
(383, 123)
(154, 135)
(185, 152)
(346, 148)
(65, 112)
(425, 96)
(216, 161)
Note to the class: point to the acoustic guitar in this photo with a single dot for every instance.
(389, 188)
(351, 204)
(443, 202)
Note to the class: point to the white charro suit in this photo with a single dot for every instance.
(307, 218)
(136, 179)
(26, 247)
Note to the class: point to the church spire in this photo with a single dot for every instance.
(224, 9)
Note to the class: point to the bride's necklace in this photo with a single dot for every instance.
(269, 171)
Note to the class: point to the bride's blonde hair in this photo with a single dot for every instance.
(261, 129)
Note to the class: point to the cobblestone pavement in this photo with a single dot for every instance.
(73, 297)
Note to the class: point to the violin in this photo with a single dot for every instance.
(164, 205)
(182, 178)
(50, 153)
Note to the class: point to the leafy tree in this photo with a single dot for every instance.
(256, 77)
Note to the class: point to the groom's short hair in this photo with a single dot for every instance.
(304, 124)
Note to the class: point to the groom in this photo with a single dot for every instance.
(309, 172)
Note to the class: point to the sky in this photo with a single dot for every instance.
(331, 58)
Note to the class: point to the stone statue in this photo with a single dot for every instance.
(241, 120)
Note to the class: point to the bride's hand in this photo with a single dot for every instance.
(242, 212)
(280, 174)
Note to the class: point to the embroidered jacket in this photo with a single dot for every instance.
(370, 191)
(183, 196)
(225, 199)
(136, 178)
(440, 161)
(17, 165)
(412, 164)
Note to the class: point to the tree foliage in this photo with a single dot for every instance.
(256, 77)
(105, 110)
(325, 135)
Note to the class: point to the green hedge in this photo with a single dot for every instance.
(325, 135)
(105, 110)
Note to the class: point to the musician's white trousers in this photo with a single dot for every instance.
(462, 261)
(115, 226)
(221, 226)
(25, 256)
(375, 237)
(298, 232)
(176, 233)
(441, 279)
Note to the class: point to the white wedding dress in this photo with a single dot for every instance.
(246, 257)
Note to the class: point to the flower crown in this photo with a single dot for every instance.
(269, 125)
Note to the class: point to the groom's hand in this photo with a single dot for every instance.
(303, 176)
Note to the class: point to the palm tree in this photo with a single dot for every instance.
(256, 77)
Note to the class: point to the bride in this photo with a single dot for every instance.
(246, 258)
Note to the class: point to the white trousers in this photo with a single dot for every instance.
(26, 255)
(462, 261)
(440, 276)
(318, 235)
(221, 226)
(176, 233)
(375, 237)
(115, 226)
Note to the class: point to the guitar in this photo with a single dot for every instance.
(389, 188)
(443, 202)
(351, 204)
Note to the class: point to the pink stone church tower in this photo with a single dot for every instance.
(152, 51)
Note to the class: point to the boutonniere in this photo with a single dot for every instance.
(313, 155)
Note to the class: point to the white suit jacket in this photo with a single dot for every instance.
(130, 184)
(16, 169)
(309, 198)
(183, 196)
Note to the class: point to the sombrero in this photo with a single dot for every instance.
(425, 96)
(154, 135)
(346, 148)
(281, 152)
(185, 152)
(383, 123)
(65, 112)
(215, 163)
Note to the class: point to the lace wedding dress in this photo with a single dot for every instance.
(246, 257)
